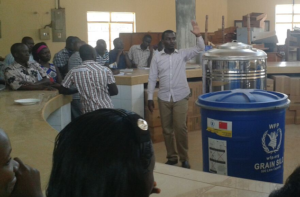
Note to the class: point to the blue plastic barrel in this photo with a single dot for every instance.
(243, 133)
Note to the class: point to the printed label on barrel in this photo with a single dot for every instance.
(220, 127)
(271, 141)
(217, 151)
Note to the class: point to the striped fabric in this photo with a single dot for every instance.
(102, 59)
(91, 80)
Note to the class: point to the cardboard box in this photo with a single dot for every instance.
(256, 20)
(294, 99)
(153, 118)
(295, 86)
(270, 84)
(290, 116)
(156, 134)
(294, 105)
(282, 83)
(196, 89)
(194, 123)
(274, 57)
(297, 118)
(193, 110)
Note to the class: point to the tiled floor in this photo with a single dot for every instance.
(291, 157)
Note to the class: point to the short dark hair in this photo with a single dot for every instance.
(291, 187)
(14, 48)
(166, 32)
(99, 155)
(25, 39)
(147, 36)
(86, 52)
(117, 39)
(35, 48)
(100, 40)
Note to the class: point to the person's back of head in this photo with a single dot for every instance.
(70, 41)
(104, 153)
(291, 187)
(78, 44)
(87, 52)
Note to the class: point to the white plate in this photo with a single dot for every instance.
(29, 101)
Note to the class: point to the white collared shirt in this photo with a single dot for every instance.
(170, 70)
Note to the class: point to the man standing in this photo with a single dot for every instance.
(169, 67)
(75, 61)
(23, 75)
(119, 56)
(141, 55)
(95, 83)
(61, 58)
(28, 41)
(102, 53)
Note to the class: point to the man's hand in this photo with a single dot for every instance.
(196, 29)
(28, 181)
(150, 105)
(155, 190)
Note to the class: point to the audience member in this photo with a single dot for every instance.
(102, 53)
(95, 83)
(23, 75)
(16, 178)
(141, 55)
(75, 61)
(169, 67)
(119, 56)
(28, 41)
(291, 187)
(42, 55)
(61, 58)
(104, 153)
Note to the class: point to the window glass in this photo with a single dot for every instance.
(98, 16)
(122, 17)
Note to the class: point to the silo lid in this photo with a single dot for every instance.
(234, 51)
(243, 100)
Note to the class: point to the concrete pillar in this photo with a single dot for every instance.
(185, 12)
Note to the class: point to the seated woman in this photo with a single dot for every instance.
(42, 55)
(104, 153)
(16, 179)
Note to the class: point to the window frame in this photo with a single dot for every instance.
(112, 22)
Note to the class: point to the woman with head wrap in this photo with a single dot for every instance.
(42, 55)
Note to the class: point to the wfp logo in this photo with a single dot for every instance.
(271, 141)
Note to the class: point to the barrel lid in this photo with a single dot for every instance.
(243, 100)
(234, 51)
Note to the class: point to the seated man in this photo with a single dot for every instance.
(141, 55)
(119, 56)
(95, 83)
(23, 75)
(28, 41)
(61, 58)
(102, 53)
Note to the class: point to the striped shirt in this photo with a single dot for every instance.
(74, 61)
(102, 59)
(170, 70)
(91, 80)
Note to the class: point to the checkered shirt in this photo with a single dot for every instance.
(91, 79)
(139, 56)
(102, 59)
(61, 58)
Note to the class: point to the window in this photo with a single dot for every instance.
(287, 17)
(108, 25)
